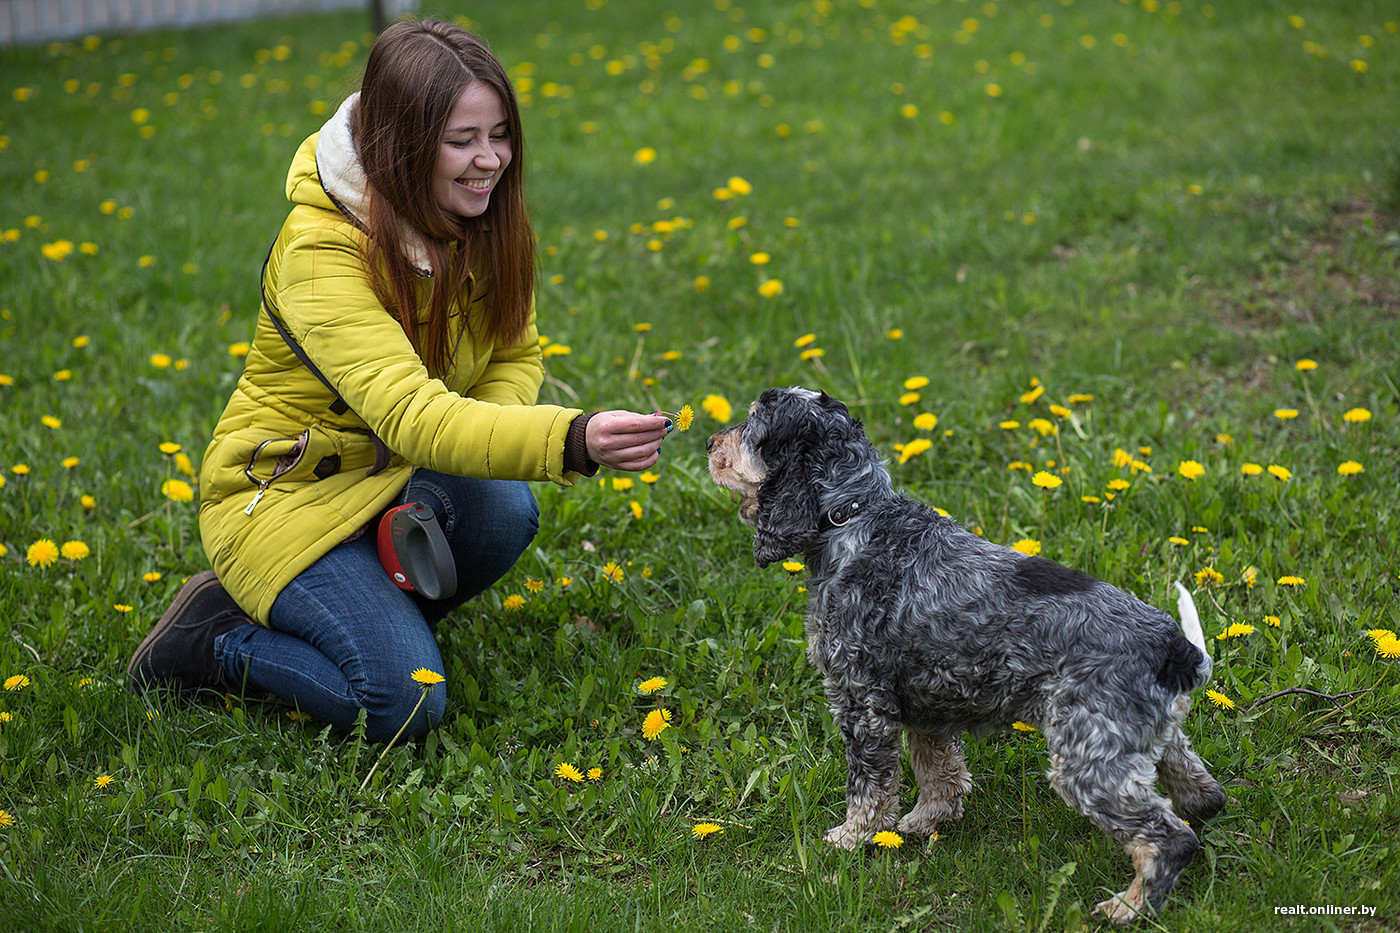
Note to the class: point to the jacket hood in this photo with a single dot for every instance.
(326, 173)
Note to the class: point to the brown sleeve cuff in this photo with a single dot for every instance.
(576, 447)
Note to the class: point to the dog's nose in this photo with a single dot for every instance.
(709, 443)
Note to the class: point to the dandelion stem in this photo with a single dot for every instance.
(365, 782)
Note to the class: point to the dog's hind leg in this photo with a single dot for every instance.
(1114, 788)
(943, 780)
(1195, 795)
(872, 777)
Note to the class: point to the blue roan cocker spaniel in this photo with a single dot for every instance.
(924, 629)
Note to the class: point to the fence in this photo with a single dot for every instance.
(30, 21)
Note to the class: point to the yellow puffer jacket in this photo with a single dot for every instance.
(285, 478)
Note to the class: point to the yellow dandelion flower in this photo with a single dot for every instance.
(644, 156)
(717, 407)
(595, 774)
(684, 418)
(1251, 469)
(49, 421)
(805, 340)
(1220, 699)
(533, 585)
(1042, 426)
(657, 721)
(1356, 416)
(771, 288)
(1178, 541)
(153, 576)
(121, 607)
(1047, 480)
(569, 773)
(1350, 468)
(914, 448)
(177, 490)
(1191, 470)
(894, 333)
(812, 353)
(1236, 630)
(513, 602)
(169, 447)
(1279, 473)
(793, 566)
(760, 259)
(651, 685)
(613, 571)
(1305, 366)
(649, 477)
(1118, 485)
(1289, 580)
(926, 421)
(1209, 576)
(161, 360)
(6, 819)
(915, 382)
(1273, 621)
(888, 840)
(426, 677)
(704, 830)
(1028, 546)
(739, 185)
(102, 781)
(88, 502)
(622, 483)
(70, 462)
(42, 553)
(909, 398)
(74, 550)
(1033, 395)
(1285, 414)
(1023, 726)
(1388, 646)
(564, 582)
(16, 682)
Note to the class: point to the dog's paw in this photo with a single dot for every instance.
(925, 818)
(1118, 910)
(844, 837)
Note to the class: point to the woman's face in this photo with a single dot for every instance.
(474, 152)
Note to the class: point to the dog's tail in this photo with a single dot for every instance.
(1191, 628)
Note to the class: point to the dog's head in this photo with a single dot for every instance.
(797, 463)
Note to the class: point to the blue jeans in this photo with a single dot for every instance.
(344, 638)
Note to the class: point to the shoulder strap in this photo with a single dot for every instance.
(382, 453)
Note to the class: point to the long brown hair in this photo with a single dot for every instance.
(415, 74)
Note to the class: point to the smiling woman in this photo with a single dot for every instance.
(396, 368)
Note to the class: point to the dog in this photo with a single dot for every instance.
(921, 628)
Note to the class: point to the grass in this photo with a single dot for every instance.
(1163, 206)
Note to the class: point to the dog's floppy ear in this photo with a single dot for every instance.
(785, 521)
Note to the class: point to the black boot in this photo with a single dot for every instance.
(178, 653)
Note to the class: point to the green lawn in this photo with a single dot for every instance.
(1147, 248)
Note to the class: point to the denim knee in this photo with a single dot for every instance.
(388, 710)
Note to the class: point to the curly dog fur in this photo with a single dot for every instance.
(922, 629)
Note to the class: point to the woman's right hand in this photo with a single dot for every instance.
(626, 440)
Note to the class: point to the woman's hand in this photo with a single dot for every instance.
(626, 440)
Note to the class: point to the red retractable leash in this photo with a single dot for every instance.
(415, 553)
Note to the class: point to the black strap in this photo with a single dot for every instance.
(382, 453)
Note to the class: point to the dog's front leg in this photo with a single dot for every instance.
(872, 737)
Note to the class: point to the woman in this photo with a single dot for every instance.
(395, 361)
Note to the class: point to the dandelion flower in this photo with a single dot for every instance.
(121, 607)
(1220, 699)
(613, 571)
(74, 550)
(1009, 425)
(1285, 414)
(533, 585)
(102, 781)
(1209, 576)
(657, 721)
(1251, 469)
(1236, 630)
(153, 576)
(909, 398)
(1023, 726)
(595, 774)
(1033, 395)
(717, 407)
(926, 421)
(1191, 470)
(177, 490)
(1350, 468)
(915, 382)
(1388, 646)
(1179, 541)
(169, 447)
(684, 418)
(1356, 416)
(569, 773)
(1028, 546)
(651, 685)
(6, 819)
(1118, 485)
(16, 682)
(894, 333)
(770, 288)
(1279, 473)
(1047, 480)
(1304, 366)
(513, 602)
(793, 566)
(622, 483)
(704, 830)
(426, 677)
(644, 156)
(888, 840)
(42, 553)
(1291, 581)
(914, 448)
(49, 421)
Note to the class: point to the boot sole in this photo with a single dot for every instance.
(194, 586)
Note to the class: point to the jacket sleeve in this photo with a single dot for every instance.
(324, 298)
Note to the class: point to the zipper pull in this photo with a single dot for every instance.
(257, 497)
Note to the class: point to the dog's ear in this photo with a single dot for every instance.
(785, 521)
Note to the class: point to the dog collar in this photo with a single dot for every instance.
(835, 518)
